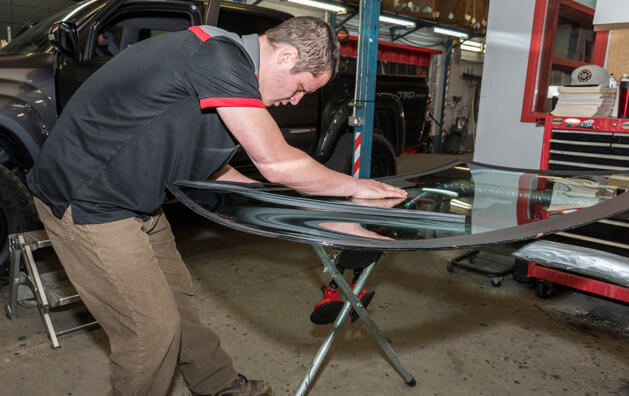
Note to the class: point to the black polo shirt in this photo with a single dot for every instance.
(144, 120)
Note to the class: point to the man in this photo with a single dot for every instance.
(168, 108)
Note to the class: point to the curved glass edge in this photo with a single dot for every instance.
(511, 234)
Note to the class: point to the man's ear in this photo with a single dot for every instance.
(287, 56)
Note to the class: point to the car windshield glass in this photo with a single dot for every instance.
(462, 204)
(35, 39)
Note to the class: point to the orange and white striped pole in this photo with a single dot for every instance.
(356, 166)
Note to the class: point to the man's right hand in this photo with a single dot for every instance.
(372, 189)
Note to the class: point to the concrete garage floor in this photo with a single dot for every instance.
(454, 332)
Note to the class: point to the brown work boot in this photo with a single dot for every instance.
(243, 387)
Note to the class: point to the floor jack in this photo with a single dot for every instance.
(326, 310)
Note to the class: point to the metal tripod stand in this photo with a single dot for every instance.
(351, 302)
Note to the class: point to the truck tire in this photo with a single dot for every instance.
(17, 212)
(383, 159)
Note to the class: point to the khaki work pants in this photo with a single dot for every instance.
(132, 279)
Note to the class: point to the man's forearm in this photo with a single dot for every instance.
(228, 173)
(259, 135)
(301, 172)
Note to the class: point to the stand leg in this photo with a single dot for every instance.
(358, 307)
(325, 347)
(15, 256)
(351, 302)
(40, 294)
(49, 328)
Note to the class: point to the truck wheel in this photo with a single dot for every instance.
(17, 212)
(383, 159)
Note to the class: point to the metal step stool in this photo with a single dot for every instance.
(50, 290)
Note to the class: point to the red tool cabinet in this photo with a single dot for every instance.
(598, 144)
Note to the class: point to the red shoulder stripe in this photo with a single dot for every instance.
(200, 33)
(231, 102)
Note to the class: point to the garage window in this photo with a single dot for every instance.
(562, 39)
(129, 27)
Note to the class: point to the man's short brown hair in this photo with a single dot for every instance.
(315, 41)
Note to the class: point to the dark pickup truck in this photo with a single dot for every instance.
(36, 81)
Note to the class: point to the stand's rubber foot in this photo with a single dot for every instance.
(326, 312)
(411, 382)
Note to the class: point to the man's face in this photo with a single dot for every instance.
(281, 87)
(291, 88)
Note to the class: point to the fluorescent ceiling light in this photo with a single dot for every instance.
(397, 21)
(471, 48)
(473, 43)
(449, 32)
(321, 5)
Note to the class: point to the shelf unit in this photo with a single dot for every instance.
(542, 58)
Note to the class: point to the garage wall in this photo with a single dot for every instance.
(611, 14)
(501, 138)
(460, 99)
(463, 90)
(17, 13)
